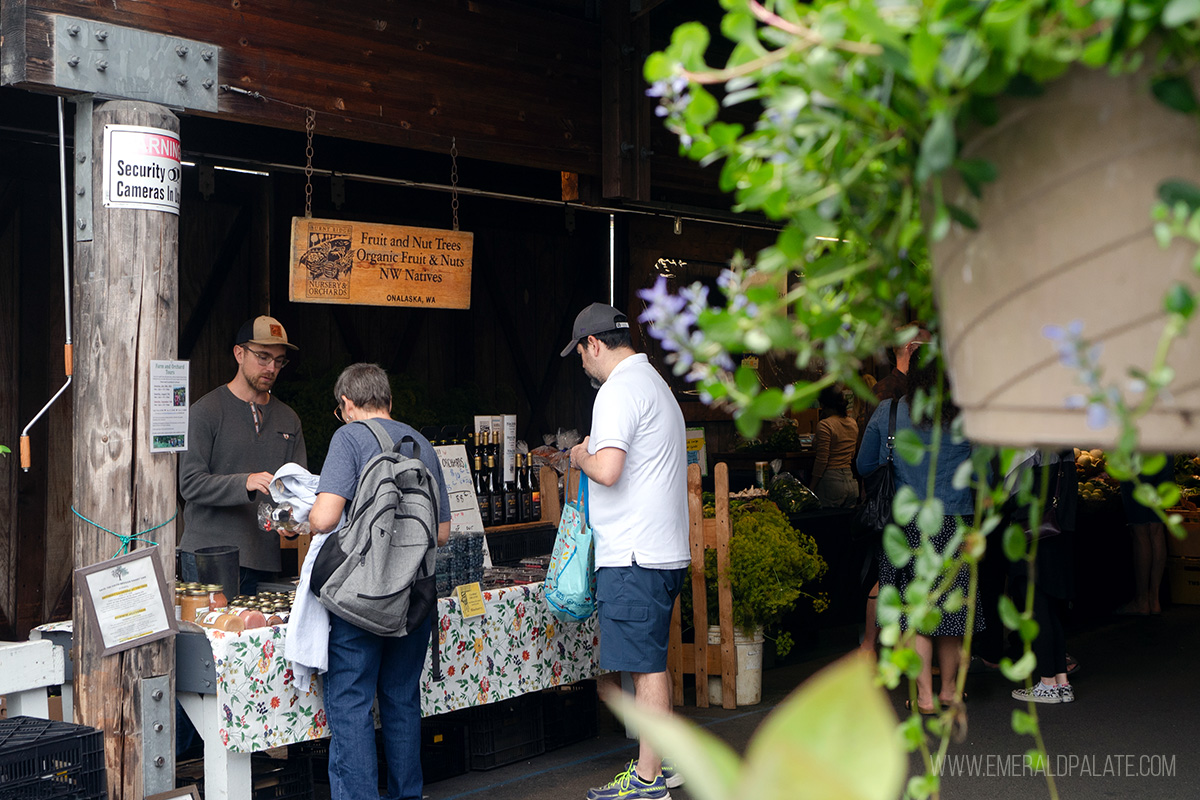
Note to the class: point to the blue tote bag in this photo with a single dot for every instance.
(571, 577)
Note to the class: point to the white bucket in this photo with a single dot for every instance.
(749, 667)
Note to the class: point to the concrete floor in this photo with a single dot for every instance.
(1137, 708)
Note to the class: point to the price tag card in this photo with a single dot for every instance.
(470, 600)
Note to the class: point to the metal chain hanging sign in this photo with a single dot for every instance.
(370, 264)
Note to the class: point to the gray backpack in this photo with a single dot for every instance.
(378, 570)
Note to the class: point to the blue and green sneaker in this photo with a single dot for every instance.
(628, 786)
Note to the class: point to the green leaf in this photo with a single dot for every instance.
(923, 58)
(1175, 92)
(1177, 191)
(1146, 494)
(1168, 495)
(1179, 300)
(832, 737)
(1036, 759)
(963, 474)
(895, 545)
(909, 446)
(929, 518)
(905, 505)
(1008, 612)
(1153, 464)
(1028, 630)
(769, 404)
(938, 147)
(1023, 723)
(1180, 12)
(711, 766)
(1015, 543)
(1019, 671)
(889, 606)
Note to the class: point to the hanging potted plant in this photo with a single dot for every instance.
(917, 151)
(1027, 140)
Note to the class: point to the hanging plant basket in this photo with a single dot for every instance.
(1065, 234)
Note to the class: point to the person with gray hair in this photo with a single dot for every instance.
(363, 664)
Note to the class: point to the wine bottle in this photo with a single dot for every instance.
(525, 498)
(512, 502)
(495, 495)
(485, 502)
(534, 480)
(470, 442)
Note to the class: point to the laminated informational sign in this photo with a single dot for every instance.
(142, 168)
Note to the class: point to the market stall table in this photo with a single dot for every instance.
(517, 646)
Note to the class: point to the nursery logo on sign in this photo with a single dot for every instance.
(328, 261)
(141, 168)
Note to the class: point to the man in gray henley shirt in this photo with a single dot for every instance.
(238, 436)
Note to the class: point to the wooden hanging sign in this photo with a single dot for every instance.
(370, 264)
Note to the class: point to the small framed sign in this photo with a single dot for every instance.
(126, 599)
(179, 793)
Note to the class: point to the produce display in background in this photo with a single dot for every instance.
(783, 436)
(792, 496)
(1095, 485)
(770, 562)
(1187, 477)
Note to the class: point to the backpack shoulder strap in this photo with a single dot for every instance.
(381, 434)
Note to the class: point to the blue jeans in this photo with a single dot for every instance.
(361, 665)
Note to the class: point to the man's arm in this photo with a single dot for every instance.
(604, 467)
(443, 535)
(198, 484)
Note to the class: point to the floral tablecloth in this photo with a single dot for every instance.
(517, 646)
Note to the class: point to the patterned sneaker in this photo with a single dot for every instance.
(1040, 693)
(673, 777)
(628, 786)
(1065, 692)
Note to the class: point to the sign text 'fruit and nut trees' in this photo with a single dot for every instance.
(364, 263)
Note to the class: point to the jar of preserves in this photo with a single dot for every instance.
(252, 618)
(216, 596)
(193, 604)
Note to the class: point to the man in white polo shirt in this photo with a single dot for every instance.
(636, 460)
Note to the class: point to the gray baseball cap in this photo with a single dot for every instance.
(596, 318)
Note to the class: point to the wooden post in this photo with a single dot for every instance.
(126, 313)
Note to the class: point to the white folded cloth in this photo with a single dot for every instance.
(307, 645)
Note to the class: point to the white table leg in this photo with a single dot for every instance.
(226, 775)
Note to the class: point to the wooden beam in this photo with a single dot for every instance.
(512, 83)
(126, 313)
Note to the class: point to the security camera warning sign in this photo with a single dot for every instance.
(141, 168)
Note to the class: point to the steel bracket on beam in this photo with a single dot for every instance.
(158, 737)
(83, 168)
(115, 62)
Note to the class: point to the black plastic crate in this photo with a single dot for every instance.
(445, 746)
(569, 714)
(281, 778)
(44, 759)
(506, 732)
(288, 778)
(507, 548)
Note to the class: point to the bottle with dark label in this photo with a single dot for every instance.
(470, 442)
(524, 497)
(495, 495)
(534, 482)
(512, 502)
(485, 502)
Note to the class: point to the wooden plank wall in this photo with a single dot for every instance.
(35, 539)
(515, 82)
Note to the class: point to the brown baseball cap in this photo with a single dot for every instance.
(263, 330)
